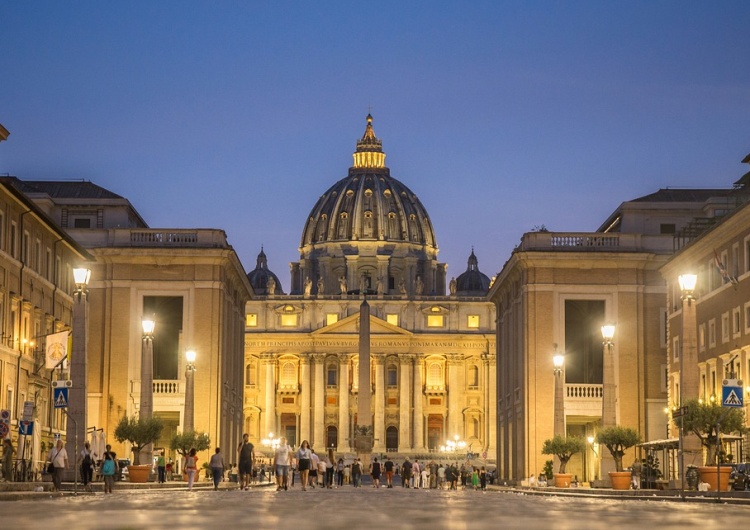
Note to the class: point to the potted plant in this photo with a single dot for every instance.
(617, 440)
(708, 421)
(563, 448)
(139, 433)
(185, 441)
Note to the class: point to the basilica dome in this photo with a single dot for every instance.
(369, 204)
(262, 278)
(368, 234)
(472, 282)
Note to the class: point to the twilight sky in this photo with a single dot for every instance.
(500, 116)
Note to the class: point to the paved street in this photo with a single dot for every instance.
(358, 508)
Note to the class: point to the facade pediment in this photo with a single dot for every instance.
(350, 325)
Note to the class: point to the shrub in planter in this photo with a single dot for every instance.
(139, 433)
(618, 440)
(709, 421)
(563, 448)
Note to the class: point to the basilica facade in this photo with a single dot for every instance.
(368, 237)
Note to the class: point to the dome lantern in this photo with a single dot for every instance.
(369, 152)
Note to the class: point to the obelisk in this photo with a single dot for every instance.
(363, 432)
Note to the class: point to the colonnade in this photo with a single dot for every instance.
(411, 403)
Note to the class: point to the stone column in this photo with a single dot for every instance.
(270, 388)
(404, 406)
(318, 384)
(304, 397)
(344, 428)
(491, 405)
(454, 391)
(379, 404)
(418, 414)
(363, 438)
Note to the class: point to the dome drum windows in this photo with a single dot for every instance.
(288, 383)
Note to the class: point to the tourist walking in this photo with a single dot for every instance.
(405, 473)
(87, 465)
(475, 478)
(304, 463)
(322, 472)
(330, 459)
(8, 460)
(283, 462)
(340, 472)
(246, 452)
(440, 476)
(375, 472)
(161, 468)
(217, 467)
(191, 467)
(314, 462)
(483, 478)
(416, 474)
(357, 473)
(58, 458)
(388, 465)
(109, 468)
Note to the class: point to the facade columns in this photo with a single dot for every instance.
(404, 425)
(304, 398)
(490, 370)
(270, 424)
(345, 441)
(454, 391)
(379, 404)
(418, 415)
(318, 401)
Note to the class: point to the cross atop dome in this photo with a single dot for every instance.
(369, 153)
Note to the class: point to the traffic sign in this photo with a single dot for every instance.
(28, 410)
(26, 428)
(731, 393)
(678, 413)
(4, 423)
(61, 397)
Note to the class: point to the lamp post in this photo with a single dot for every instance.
(147, 379)
(591, 440)
(455, 446)
(688, 359)
(189, 391)
(558, 360)
(76, 429)
(609, 395)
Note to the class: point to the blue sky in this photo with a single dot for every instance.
(500, 116)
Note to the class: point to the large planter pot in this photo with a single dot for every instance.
(562, 480)
(708, 475)
(620, 480)
(139, 474)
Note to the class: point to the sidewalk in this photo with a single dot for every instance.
(729, 497)
(14, 491)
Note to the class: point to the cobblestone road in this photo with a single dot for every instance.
(351, 509)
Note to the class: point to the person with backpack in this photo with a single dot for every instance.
(108, 472)
(58, 459)
(87, 466)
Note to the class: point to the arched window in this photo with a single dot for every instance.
(474, 427)
(288, 374)
(331, 375)
(332, 437)
(391, 439)
(355, 379)
(473, 376)
(392, 376)
(435, 375)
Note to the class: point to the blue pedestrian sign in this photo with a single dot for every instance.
(61, 397)
(26, 428)
(731, 393)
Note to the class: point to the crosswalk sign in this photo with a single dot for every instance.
(731, 393)
(61, 397)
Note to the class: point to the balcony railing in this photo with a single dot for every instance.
(167, 386)
(583, 391)
(595, 242)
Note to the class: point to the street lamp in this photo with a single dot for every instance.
(455, 446)
(558, 360)
(147, 379)
(609, 410)
(77, 401)
(688, 360)
(189, 391)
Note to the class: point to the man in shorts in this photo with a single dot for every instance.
(283, 460)
(389, 472)
(315, 460)
(246, 452)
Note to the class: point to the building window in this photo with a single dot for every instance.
(736, 322)
(251, 320)
(667, 228)
(331, 318)
(676, 347)
(26, 250)
(331, 375)
(473, 321)
(13, 247)
(435, 375)
(392, 319)
(725, 327)
(435, 321)
(81, 222)
(289, 321)
(392, 376)
(473, 376)
(747, 318)
(702, 337)
(712, 333)
(288, 374)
